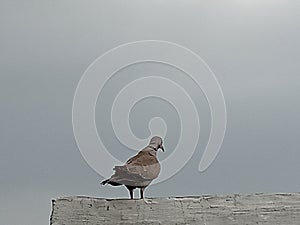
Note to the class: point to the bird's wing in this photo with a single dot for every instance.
(138, 171)
(144, 164)
(143, 158)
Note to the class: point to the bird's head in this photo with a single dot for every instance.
(157, 143)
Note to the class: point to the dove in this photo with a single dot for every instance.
(140, 170)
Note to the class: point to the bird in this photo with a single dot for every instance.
(140, 170)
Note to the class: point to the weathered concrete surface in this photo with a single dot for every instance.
(262, 209)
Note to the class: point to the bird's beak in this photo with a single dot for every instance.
(162, 148)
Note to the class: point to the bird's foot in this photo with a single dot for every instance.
(149, 201)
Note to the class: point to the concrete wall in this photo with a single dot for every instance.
(262, 209)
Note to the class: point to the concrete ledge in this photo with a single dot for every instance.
(262, 209)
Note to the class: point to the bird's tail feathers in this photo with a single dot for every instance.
(105, 182)
(108, 181)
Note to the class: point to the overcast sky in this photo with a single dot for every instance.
(251, 45)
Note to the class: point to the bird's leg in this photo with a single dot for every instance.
(142, 192)
(130, 191)
(142, 196)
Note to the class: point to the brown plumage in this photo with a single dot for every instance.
(138, 171)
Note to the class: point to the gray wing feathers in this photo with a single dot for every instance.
(138, 171)
(134, 175)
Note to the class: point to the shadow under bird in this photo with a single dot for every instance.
(138, 171)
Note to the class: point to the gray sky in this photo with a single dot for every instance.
(251, 45)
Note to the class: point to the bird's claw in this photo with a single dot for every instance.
(149, 201)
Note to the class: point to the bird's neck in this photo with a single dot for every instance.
(153, 146)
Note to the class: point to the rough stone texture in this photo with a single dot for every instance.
(262, 209)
